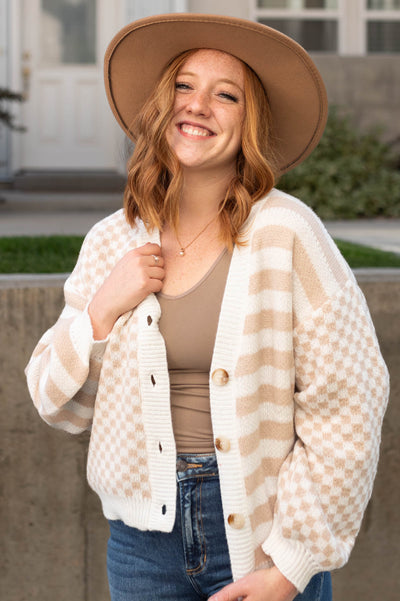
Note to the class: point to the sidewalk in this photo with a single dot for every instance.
(47, 213)
(378, 233)
(35, 214)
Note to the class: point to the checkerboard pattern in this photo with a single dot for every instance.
(117, 463)
(301, 403)
(325, 485)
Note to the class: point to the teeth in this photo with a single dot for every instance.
(194, 131)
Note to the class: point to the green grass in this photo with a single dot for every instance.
(364, 256)
(58, 254)
(42, 254)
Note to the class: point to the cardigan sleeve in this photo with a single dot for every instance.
(64, 369)
(63, 372)
(341, 392)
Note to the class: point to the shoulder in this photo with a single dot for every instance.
(106, 242)
(281, 208)
(280, 216)
(112, 237)
(286, 231)
(110, 231)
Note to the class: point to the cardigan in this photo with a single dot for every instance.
(298, 390)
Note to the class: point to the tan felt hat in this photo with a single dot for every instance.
(138, 53)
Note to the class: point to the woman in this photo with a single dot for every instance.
(213, 338)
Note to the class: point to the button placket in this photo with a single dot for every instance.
(220, 377)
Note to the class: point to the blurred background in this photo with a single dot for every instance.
(51, 52)
(62, 165)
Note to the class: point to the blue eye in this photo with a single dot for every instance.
(181, 86)
(228, 96)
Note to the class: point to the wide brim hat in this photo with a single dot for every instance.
(138, 54)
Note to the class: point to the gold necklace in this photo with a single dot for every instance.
(182, 251)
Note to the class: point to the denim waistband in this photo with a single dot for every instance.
(192, 466)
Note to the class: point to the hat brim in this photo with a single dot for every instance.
(138, 54)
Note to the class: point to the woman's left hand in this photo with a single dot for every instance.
(261, 585)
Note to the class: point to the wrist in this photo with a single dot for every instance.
(286, 584)
(102, 320)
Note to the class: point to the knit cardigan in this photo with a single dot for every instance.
(298, 389)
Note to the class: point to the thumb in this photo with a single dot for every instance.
(231, 592)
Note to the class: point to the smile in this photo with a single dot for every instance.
(195, 130)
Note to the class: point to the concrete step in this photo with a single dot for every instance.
(68, 181)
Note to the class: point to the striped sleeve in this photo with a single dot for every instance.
(341, 393)
(63, 372)
(64, 369)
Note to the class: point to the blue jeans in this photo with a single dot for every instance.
(191, 563)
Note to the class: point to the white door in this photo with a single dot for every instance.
(69, 124)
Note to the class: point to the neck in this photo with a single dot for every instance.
(203, 193)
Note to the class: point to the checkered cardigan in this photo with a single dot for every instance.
(300, 401)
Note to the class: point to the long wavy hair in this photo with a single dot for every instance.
(154, 182)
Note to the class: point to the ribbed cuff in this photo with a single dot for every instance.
(97, 347)
(291, 558)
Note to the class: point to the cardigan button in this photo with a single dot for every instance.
(236, 521)
(223, 444)
(149, 320)
(220, 377)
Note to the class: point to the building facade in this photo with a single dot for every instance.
(52, 51)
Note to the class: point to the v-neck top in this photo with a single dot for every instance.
(188, 324)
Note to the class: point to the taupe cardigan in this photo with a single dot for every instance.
(298, 388)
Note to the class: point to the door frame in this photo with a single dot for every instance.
(107, 26)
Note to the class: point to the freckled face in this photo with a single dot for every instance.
(206, 128)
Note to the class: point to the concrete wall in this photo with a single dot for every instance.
(229, 8)
(53, 536)
(367, 88)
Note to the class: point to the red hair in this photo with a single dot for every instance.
(155, 180)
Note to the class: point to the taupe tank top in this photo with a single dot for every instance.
(188, 324)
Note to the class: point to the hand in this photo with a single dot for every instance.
(131, 280)
(261, 585)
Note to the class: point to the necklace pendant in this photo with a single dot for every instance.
(182, 252)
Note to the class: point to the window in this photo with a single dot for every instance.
(312, 23)
(68, 32)
(383, 26)
(335, 26)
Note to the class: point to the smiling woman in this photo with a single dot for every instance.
(232, 93)
(206, 127)
(213, 339)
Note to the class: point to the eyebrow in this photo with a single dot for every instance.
(222, 80)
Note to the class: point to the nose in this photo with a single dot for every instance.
(199, 103)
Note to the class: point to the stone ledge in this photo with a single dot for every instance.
(34, 280)
(373, 274)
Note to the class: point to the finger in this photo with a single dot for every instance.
(156, 261)
(150, 249)
(155, 285)
(149, 261)
(156, 273)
